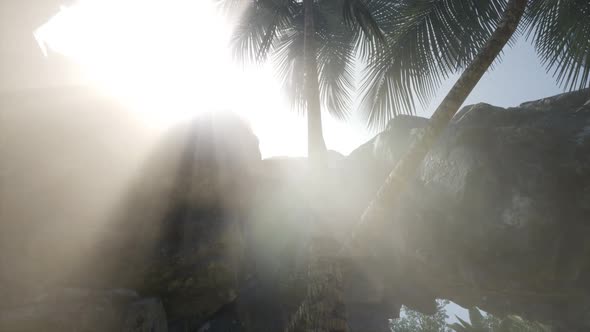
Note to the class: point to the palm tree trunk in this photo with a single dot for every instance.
(368, 231)
(323, 309)
(369, 228)
(316, 147)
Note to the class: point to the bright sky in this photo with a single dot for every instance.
(169, 61)
(519, 77)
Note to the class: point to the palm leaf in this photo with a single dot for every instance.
(560, 31)
(288, 62)
(427, 40)
(335, 42)
(258, 28)
(369, 41)
(229, 6)
(359, 13)
(276, 27)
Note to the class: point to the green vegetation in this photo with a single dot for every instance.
(489, 323)
(413, 321)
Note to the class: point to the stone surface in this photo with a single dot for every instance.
(85, 310)
(496, 217)
(498, 214)
(179, 234)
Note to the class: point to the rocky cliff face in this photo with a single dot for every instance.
(216, 238)
(498, 214)
(179, 235)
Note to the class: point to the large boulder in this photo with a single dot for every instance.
(82, 205)
(497, 215)
(179, 232)
(495, 218)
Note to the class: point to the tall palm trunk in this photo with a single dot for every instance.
(327, 281)
(316, 147)
(322, 308)
(369, 228)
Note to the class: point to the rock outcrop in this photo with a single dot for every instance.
(86, 310)
(180, 233)
(216, 238)
(498, 214)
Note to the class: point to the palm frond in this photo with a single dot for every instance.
(560, 31)
(335, 42)
(427, 40)
(288, 62)
(369, 23)
(229, 6)
(258, 28)
(335, 54)
(275, 27)
(358, 13)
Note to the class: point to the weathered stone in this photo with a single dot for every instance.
(497, 215)
(86, 311)
(180, 233)
(146, 315)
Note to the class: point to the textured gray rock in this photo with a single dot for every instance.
(498, 214)
(482, 224)
(85, 310)
(496, 217)
(179, 233)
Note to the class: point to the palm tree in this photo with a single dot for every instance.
(407, 165)
(313, 43)
(428, 40)
(315, 145)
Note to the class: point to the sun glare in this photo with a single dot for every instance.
(169, 60)
(153, 54)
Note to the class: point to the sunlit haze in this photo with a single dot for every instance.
(111, 192)
(170, 60)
